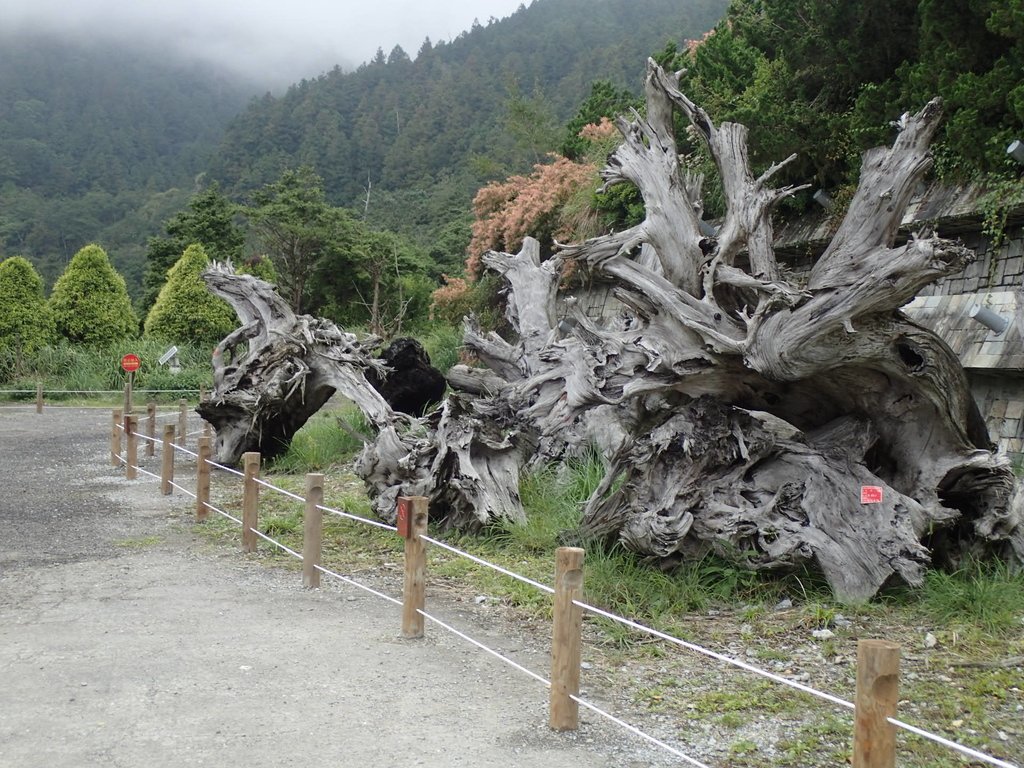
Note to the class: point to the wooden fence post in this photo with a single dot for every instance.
(39, 397)
(250, 500)
(567, 626)
(878, 673)
(150, 427)
(115, 439)
(182, 421)
(412, 525)
(131, 425)
(203, 479)
(167, 463)
(312, 531)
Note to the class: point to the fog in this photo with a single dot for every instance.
(274, 43)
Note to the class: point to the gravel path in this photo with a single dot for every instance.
(125, 640)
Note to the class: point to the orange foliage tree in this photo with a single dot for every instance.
(508, 211)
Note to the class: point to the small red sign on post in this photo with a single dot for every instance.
(404, 516)
(130, 362)
(871, 494)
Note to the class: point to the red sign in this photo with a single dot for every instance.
(871, 494)
(404, 516)
(130, 362)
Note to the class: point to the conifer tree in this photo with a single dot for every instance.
(185, 311)
(26, 322)
(90, 302)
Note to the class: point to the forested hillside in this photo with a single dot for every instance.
(827, 80)
(98, 143)
(105, 144)
(432, 125)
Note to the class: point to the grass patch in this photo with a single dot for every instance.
(986, 595)
(324, 442)
(143, 543)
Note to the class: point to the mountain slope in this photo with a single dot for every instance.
(397, 122)
(99, 143)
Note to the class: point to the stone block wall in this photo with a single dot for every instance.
(997, 267)
(1001, 400)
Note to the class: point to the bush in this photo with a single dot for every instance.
(90, 301)
(26, 322)
(186, 311)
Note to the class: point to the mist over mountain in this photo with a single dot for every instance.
(103, 140)
(438, 118)
(101, 143)
(268, 43)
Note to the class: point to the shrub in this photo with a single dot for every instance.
(26, 322)
(90, 301)
(186, 311)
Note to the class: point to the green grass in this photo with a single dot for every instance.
(988, 595)
(74, 367)
(324, 442)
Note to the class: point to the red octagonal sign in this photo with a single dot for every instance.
(130, 362)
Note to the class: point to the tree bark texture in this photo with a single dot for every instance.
(278, 369)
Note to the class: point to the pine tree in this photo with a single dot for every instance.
(26, 322)
(185, 310)
(209, 221)
(90, 301)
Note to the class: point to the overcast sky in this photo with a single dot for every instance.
(285, 40)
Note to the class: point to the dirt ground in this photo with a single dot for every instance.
(125, 640)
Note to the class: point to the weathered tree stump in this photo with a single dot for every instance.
(739, 411)
(278, 369)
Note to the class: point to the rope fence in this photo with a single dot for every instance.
(875, 723)
(40, 396)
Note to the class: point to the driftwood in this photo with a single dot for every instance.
(278, 369)
(739, 411)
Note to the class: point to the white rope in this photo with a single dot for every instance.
(186, 491)
(638, 732)
(951, 744)
(720, 657)
(193, 434)
(143, 471)
(223, 513)
(544, 681)
(226, 469)
(282, 491)
(498, 568)
(147, 438)
(350, 516)
(276, 543)
(186, 451)
(355, 583)
(484, 648)
(65, 391)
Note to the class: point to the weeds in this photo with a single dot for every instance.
(984, 594)
(78, 368)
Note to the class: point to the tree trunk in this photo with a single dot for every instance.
(742, 413)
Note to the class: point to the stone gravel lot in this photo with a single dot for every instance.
(126, 640)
